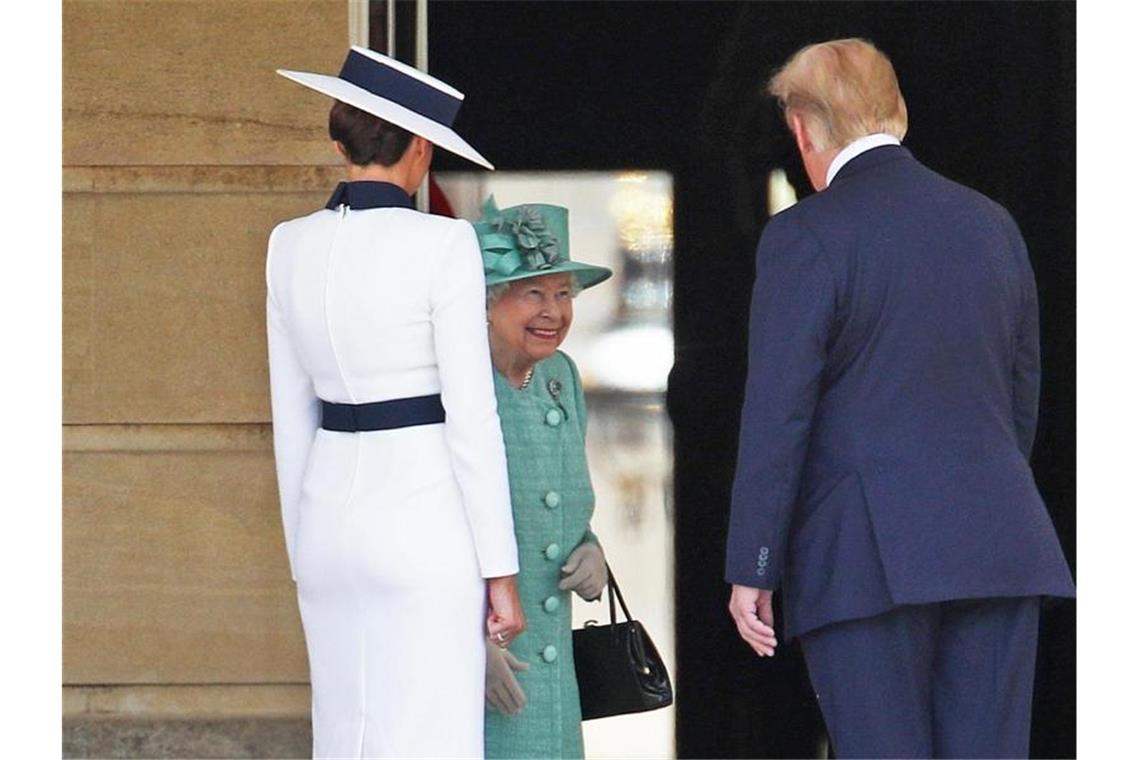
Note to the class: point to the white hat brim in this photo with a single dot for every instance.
(432, 131)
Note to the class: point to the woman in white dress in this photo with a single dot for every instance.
(389, 451)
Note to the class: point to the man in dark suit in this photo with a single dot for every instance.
(883, 476)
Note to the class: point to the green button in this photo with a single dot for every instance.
(550, 654)
(552, 499)
(551, 603)
(554, 418)
(552, 551)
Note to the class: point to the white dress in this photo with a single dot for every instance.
(389, 533)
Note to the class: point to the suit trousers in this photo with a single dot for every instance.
(947, 679)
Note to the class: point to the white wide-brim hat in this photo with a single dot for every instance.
(397, 93)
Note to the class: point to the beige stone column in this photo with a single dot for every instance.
(182, 149)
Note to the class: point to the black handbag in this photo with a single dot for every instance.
(619, 670)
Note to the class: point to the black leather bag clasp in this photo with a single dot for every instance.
(619, 670)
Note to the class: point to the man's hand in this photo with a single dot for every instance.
(751, 608)
(503, 692)
(505, 618)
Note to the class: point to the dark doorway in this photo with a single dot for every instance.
(678, 86)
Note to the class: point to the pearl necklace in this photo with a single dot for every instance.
(527, 379)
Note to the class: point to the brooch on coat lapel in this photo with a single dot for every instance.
(555, 387)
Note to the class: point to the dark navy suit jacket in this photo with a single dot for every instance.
(891, 402)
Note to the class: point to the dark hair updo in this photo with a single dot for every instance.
(366, 138)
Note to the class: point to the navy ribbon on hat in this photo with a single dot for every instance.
(387, 82)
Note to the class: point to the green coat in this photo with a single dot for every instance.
(552, 500)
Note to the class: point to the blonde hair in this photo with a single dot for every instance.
(842, 90)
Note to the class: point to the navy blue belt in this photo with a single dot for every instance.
(382, 415)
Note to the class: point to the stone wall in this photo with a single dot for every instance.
(182, 148)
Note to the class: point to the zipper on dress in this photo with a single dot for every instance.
(343, 212)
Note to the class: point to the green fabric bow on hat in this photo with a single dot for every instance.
(530, 240)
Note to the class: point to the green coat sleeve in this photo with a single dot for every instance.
(580, 412)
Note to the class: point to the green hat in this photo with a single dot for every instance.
(531, 240)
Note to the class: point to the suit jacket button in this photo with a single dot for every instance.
(554, 418)
(552, 499)
(552, 551)
(551, 603)
(550, 653)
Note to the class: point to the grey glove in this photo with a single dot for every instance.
(585, 571)
(503, 691)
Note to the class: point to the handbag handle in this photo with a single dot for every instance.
(637, 651)
(613, 590)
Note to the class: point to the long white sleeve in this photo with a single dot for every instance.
(296, 416)
(474, 435)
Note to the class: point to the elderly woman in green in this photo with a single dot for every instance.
(532, 692)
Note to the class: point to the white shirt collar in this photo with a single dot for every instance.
(857, 146)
